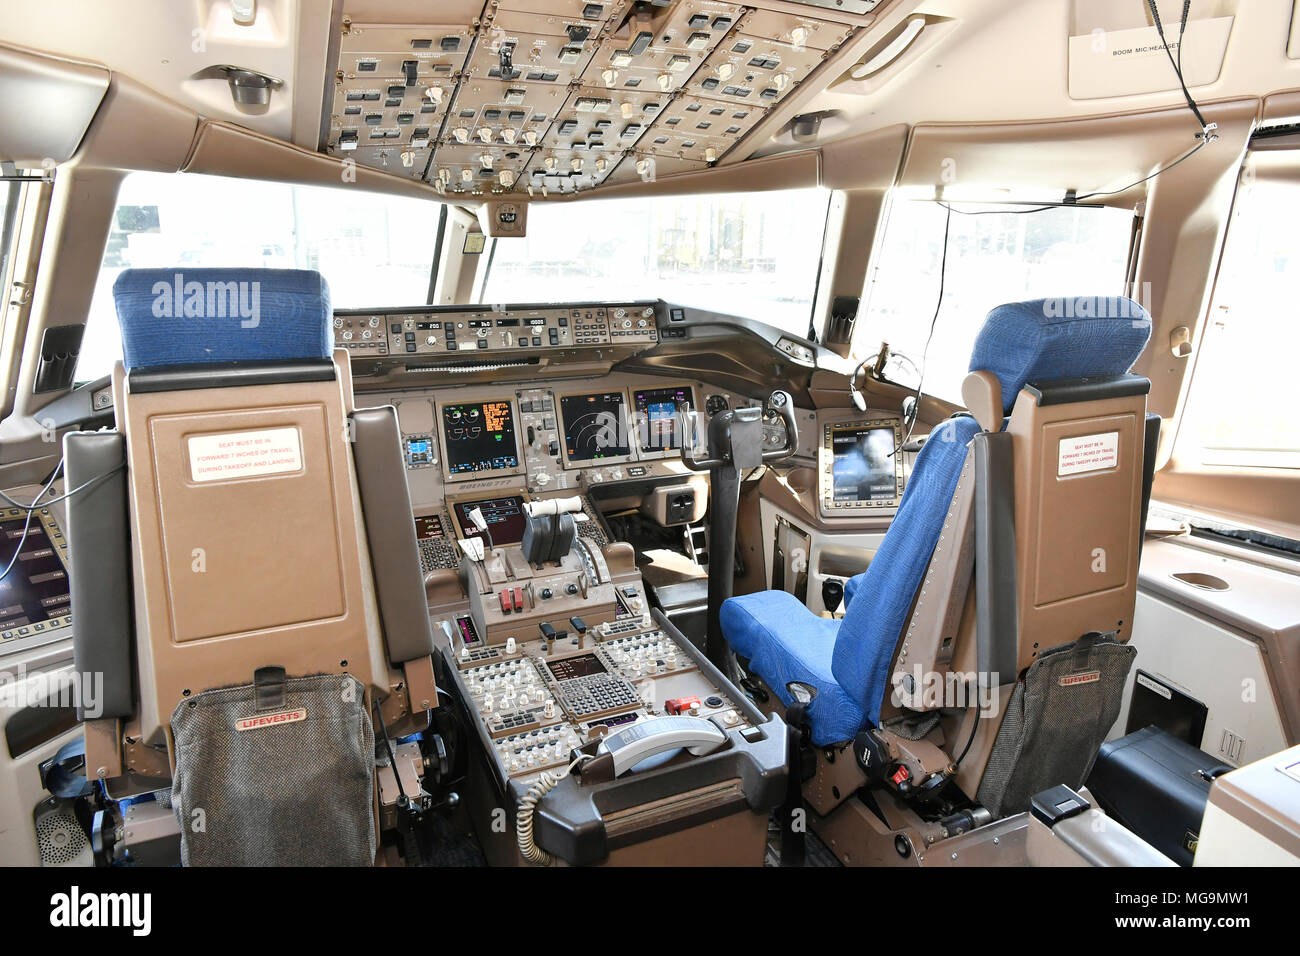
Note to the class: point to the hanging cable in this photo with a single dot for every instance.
(27, 524)
(934, 322)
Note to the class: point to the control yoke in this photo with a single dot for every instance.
(735, 429)
(735, 443)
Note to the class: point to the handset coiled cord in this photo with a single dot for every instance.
(545, 783)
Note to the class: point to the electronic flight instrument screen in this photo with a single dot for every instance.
(504, 517)
(36, 588)
(656, 415)
(480, 436)
(863, 464)
(595, 426)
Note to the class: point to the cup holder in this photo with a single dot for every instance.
(1206, 582)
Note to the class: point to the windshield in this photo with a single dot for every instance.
(373, 250)
(755, 255)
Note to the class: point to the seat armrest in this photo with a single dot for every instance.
(390, 533)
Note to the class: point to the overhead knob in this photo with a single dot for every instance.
(460, 134)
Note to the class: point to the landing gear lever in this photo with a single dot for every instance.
(735, 443)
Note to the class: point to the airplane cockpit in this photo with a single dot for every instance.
(649, 433)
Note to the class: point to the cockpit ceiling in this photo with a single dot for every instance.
(559, 96)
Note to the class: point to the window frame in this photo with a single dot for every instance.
(26, 215)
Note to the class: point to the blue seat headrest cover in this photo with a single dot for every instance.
(1047, 340)
(206, 316)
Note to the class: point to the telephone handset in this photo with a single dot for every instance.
(644, 739)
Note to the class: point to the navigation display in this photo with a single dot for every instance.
(480, 436)
(36, 588)
(504, 517)
(863, 466)
(595, 426)
(656, 416)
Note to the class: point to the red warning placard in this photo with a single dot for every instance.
(251, 454)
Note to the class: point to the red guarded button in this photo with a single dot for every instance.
(900, 776)
(505, 601)
(679, 704)
(518, 596)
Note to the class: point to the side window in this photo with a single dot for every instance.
(996, 254)
(1240, 407)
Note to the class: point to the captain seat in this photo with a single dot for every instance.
(1016, 539)
(244, 572)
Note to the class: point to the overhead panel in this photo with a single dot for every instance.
(558, 96)
(391, 91)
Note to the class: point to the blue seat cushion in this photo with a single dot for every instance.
(188, 316)
(1047, 340)
(784, 641)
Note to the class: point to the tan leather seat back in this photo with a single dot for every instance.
(247, 528)
(1078, 524)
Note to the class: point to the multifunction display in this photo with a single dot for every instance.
(861, 465)
(656, 416)
(480, 436)
(595, 426)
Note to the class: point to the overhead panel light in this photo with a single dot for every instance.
(243, 12)
(911, 30)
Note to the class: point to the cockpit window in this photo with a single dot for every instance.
(374, 250)
(996, 254)
(754, 255)
(1241, 406)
